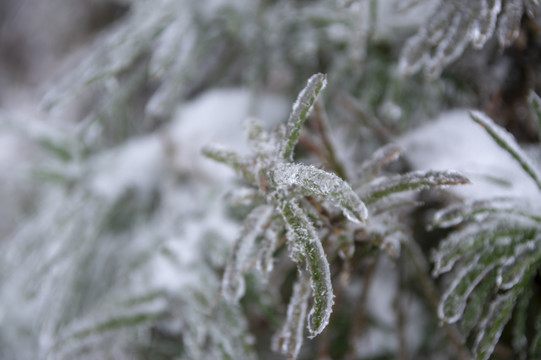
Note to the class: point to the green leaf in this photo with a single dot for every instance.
(267, 247)
(502, 249)
(242, 165)
(305, 244)
(453, 301)
(479, 210)
(381, 188)
(311, 181)
(535, 346)
(301, 110)
(491, 326)
(520, 341)
(289, 340)
(477, 303)
(508, 143)
(240, 260)
(527, 257)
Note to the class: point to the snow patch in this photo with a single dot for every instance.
(455, 141)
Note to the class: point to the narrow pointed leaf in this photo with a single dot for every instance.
(454, 299)
(492, 325)
(527, 257)
(240, 260)
(508, 143)
(535, 344)
(477, 303)
(469, 240)
(479, 210)
(266, 251)
(519, 329)
(305, 244)
(289, 340)
(241, 165)
(259, 139)
(299, 113)
(308, 180)
(381, 188)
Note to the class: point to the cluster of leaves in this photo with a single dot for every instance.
(290, 198)
(161, 53)
(495, 256)
(457, 23)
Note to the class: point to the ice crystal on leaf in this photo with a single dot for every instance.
(494, 256)
(282, 182)
(299, 202)
(456, 24)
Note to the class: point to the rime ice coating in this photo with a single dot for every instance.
(299, 113)
(454, 25)
(233, 280)
(289, 340)
(311, 181)
(508, 143)
(305, 245)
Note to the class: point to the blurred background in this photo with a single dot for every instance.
(114, 229)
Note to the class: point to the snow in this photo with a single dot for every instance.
(218, 117)
(139, 164)
(455, 141)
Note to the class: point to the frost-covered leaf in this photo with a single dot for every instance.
(527, 258)
(240, 259)
(455, 24)
(491, 326)
(244, 196)
(383, 187)
(508, 143)
(259, 139)
(474, 239)
(535, 347)
(305, 244)
(127, 314)
(311, 181)
(289, 340)
(265, 261)
(520, 341)
(477, 302)
(299, 113)
(480, 209)
(465, 280)
(242, 165)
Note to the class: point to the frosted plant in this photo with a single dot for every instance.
(300, 201)
(163, 52)
(494, 256)
(101, 270)
(456, 24)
